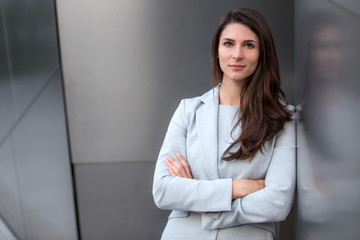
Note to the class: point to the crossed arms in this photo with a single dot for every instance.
(224, 202)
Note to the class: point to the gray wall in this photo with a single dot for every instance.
(126, 66)
(328, 95)
(36, 190)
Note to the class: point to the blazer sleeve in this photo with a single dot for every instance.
(271, 204)
(176, 193)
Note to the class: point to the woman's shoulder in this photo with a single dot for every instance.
(287, 136)
(195, 102)
(188, 107)
(192, 100)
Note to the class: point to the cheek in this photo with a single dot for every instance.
(255, 60)
(220, 54)
(222, 60)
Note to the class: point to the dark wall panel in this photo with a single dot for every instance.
(6, 98)
(327, 72)
(36, 191)
(115, 202)
(32, 42)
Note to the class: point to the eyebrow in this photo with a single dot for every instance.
(232, 40)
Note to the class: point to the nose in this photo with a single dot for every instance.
(238, 53)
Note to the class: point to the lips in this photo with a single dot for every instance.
(237, 67)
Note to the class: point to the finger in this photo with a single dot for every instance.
(185, 164)
(176, 172)
(171, 171)
(170, 166)
(168, 163)
(174, 165)
(177, 166)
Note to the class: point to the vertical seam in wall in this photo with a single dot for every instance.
(19, 116)
(72, 166)
(296, 168)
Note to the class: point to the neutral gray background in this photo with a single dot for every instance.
(36, 191)
(328, 166)
(126, 66)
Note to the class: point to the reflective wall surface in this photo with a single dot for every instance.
(36, 193)
(328, 95)
(126, 66)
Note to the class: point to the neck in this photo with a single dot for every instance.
(229, 93)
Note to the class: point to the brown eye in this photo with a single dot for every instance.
(227, 44)
(249, 45)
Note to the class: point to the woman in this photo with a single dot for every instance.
(227, 164)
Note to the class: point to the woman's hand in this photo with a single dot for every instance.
(180, 169)
(243, 187)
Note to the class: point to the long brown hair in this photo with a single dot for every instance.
(262, 114)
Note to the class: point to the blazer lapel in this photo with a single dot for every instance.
(207, 130)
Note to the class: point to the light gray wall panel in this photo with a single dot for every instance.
(43, 167)
(10, 204)
(35, 176)
(127, 64)
(115, 202)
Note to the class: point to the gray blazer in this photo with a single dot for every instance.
(193, 133)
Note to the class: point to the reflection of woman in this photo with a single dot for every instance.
(235, 170)
(326, 92)
(328, 148)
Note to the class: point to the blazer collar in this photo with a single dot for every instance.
(211, 97)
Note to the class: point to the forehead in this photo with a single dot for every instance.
(238, 31)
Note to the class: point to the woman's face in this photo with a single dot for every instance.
(239, 51)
